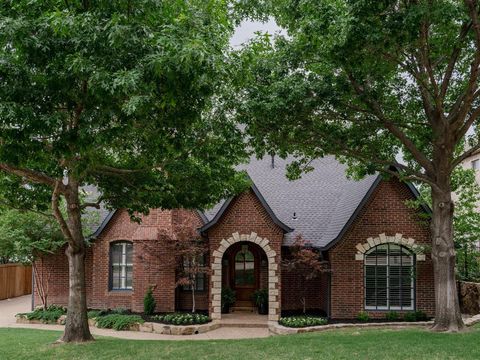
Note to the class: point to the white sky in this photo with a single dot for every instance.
(247, 30)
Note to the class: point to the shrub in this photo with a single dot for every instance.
(415, 316)
(118, 321)
(363, 316)
(302, 321)
(92, 314)
(50, 315)
(149, 302)
(260, 297)
(120, 311)
(392, 316)
(182, 319)
(421, 316)
(228, 298)
(410, 316)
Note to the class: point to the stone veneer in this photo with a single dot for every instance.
(216, 279)
(384, 239)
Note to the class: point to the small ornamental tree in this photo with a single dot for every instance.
(371, 82)
(307, 263)
(120, 95)
(190, 250)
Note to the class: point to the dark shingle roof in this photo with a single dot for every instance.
(323, 200)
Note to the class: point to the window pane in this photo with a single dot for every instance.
(115, 281)
(129, 253)
(249, 256)
(239, 278)
(117, 253)
(381, 297)
(395, 271)
(370, 297)
(129, 275)
(200, 280)
(371, 260)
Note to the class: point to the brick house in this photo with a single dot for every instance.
(372, 241)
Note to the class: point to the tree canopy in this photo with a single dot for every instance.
(377, 83)
(121, 95)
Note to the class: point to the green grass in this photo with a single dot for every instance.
(30, 344)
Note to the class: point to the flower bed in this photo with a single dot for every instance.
(182, 319)
(302, 321)
(46, 316)
(118, 321)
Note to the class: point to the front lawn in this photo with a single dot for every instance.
(340, 344)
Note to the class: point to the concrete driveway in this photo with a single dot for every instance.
(10, 307)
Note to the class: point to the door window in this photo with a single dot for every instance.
(244, 268)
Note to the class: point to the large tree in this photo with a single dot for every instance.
(372, 82)
(115, 94)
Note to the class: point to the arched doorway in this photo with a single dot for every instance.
(217, 277)
(245, 270)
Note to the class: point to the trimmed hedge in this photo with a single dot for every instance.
(302, 321)
(50, 315)
(182, 319)
(118, 321)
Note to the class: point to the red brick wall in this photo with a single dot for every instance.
(184, 300)
(387, 213)
(245, 215)
(295, 286)
(153, 263)
(53, 268)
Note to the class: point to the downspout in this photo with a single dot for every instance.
(329, 294)
(325, 257)
(33, 290)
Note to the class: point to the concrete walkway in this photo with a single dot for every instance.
(10, 307)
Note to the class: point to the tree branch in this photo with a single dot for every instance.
(394, 130)
(58, 214)
(453, 58)
(104, 169)
(468, 123)
(32, 175)
(460, 110)
(465, 155)
(95, 204)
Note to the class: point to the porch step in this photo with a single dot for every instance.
(244, 320)
(244, 309)
(243, 325)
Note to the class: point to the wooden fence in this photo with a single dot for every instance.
(15, 280)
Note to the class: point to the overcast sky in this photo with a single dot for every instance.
(247, 30)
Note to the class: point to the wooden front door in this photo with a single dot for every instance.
(244, 262)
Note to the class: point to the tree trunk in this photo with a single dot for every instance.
(193, 298)
(76, 326)
(447, 309)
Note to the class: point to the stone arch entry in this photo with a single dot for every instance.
(273, 288)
